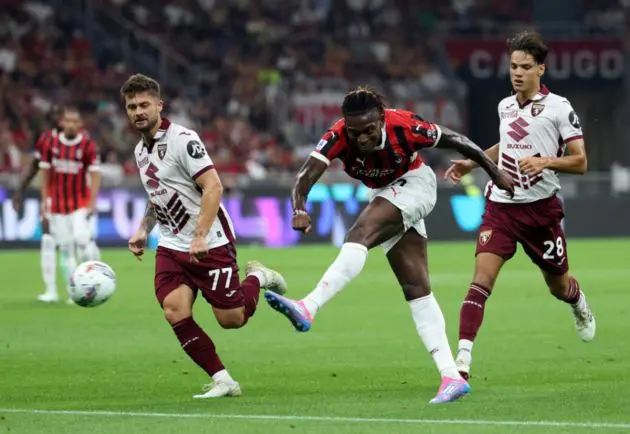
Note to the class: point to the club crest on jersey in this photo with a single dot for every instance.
(484, 237)
(537, 109)
(161, 150)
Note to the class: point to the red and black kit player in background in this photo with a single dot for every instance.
(48, 247)
(66, 192)
(540, 136)
(379, 147)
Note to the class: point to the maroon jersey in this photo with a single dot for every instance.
(404, 134)
(69, 162)
(42, 141)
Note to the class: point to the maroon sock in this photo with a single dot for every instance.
(471, 314)
(198, 345)
(572, 294)
(251, 292)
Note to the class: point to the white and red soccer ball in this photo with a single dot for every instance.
(92, 283)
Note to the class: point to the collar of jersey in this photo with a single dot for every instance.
(159, 133)
(383, 139)
(68, 142)
(542, 93)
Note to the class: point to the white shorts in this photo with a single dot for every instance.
(414, 194)
(71, 228)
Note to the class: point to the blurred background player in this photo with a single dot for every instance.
(48, 257)
(537, 128)
(67, 193)
(196, 251)
(379, 147)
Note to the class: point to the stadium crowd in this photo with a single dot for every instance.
(252, 58)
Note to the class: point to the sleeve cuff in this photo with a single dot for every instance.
(44, 165)
(571, 139)
(202, 171)
(439, 135)
(320, 157)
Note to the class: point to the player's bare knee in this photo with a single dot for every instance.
(174, 311)
(415, 291)
(230, 319)
(484, 279)
(366, 234)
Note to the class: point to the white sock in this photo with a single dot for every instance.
(83, 253)
(68, 262)
(93, 251)
(222, 377)
(464, 352)
(261, 278)
(49, 263)
(346, 267)
(431, 327)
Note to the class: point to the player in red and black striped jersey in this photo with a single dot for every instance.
(66, 192)
(379, 147)
(48, 248)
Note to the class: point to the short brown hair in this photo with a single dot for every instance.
(139, 83)
(531, 43)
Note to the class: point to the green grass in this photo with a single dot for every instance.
(362, 359)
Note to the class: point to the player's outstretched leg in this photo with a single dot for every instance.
(379, 221)
(567, 289)
(487, 267)
(49, 269)
(345, 268)
(408, 260)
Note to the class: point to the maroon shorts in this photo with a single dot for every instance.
(536, 226)
(216, 275)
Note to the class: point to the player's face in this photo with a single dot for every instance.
(143, 110)
(71, 124)
(364, 130)
(525, 73)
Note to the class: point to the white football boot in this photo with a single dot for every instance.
(274, 281)
(219, 389)
(584, 319)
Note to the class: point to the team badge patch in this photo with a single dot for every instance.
(537, 109)
(321, 144)
(161, 150)
(484, 237)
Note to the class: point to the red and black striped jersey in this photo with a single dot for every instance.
(404, 134)
(69, 161)
(41, 142)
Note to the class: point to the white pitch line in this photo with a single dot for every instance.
(274, 417)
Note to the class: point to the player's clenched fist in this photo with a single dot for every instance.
(137, 242)
(458, 169)
(301, 221)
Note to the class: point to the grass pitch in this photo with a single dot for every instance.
(361, 369)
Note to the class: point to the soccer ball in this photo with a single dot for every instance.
(92, 283)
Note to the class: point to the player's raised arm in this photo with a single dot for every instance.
(449, 139)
